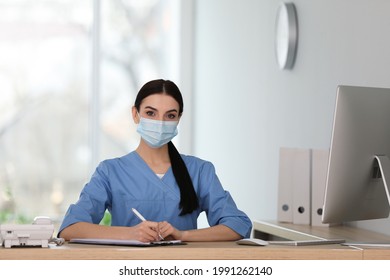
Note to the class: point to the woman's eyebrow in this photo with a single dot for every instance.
(151, 108)
(170, 111)
(154, 109)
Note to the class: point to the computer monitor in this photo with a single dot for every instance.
(359, 164)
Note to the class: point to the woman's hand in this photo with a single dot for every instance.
(169, 232)
(146, 231)
(214, 233)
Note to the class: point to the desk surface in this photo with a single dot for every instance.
(191, 251)
(221, 250)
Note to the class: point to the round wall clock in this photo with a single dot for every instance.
(286, 39)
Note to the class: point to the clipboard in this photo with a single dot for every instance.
(126, 242)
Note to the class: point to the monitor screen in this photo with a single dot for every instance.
(359, 156)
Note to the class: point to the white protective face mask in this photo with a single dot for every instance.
(157, 133)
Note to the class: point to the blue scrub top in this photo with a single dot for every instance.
(127, 182)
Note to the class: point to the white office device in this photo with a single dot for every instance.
(39, 233)
(357, 185)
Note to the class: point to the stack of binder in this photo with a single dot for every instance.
(302, 180)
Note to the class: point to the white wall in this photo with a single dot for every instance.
(245, 108)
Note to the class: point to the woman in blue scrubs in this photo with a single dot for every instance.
(170, 190)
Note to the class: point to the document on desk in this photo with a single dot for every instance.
(99, 241)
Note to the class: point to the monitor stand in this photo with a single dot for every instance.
(383, 163)
(381, 171)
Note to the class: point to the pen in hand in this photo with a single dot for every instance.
(138, 214)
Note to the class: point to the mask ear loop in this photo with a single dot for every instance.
(139, 117)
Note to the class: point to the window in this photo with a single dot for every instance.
(51, 80)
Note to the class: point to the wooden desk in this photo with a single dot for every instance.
(223, 250)
(191, 251)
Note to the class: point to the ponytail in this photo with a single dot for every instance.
(188, 199)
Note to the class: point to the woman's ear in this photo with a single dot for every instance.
(135, 114)
(178, 120)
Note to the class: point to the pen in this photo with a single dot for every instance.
(138, 214)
